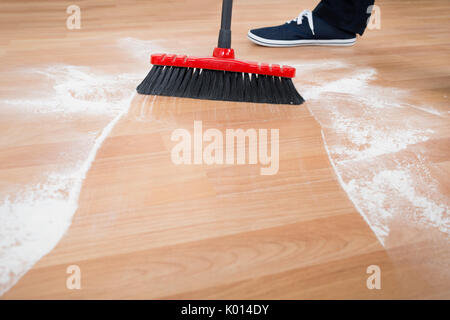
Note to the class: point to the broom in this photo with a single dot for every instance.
(221, 77)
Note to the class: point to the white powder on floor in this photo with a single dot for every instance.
(76, 89)
(367, 138)
(365, 131)
(140, 50)
(33, 223)
(390, 192)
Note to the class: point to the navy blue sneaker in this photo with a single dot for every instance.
(306, 29)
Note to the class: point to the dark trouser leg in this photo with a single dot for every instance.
(348, 15)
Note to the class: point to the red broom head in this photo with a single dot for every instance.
(220, 77)
(224, 60)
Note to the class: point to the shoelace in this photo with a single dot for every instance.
(309, 17)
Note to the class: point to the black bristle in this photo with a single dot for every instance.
(216, 92)
(219, 85)
(147, 81)
(239, 86)
(247, 88)
(213, 85)
(146, 86)
(159, 90)
(268, 85)
(285, 91)
(226, 92)
(277, 90)
(206, 84)
(296, 98)
(184, 83)
(200, 83)
(154, 90)
(233, 87)
(189, 93)
(171, 82)
(259, 91)
(177, 82)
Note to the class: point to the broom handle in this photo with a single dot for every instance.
(225, 28)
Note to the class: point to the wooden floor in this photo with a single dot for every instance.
(147, 229)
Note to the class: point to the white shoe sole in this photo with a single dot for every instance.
(297, 43)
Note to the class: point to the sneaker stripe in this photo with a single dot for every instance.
(293, 43)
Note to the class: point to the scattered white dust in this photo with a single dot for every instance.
(140, 50)
(378, 195)
(366, 137)
(77, 89)
(33, 223)
(364, 131)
